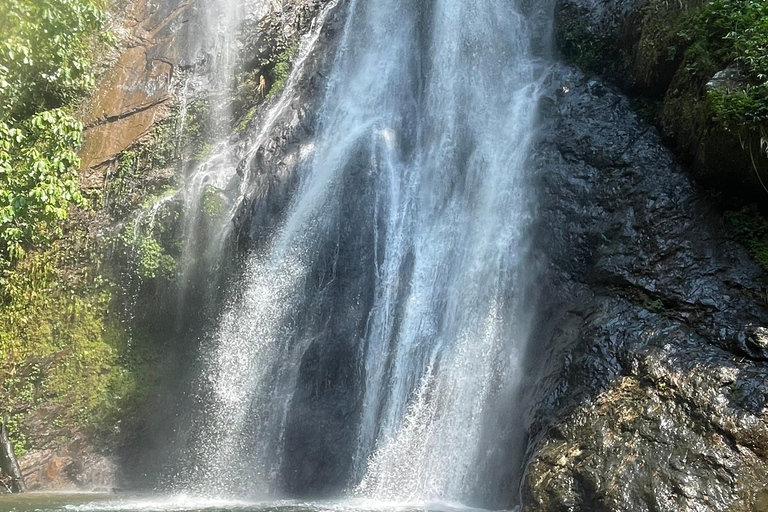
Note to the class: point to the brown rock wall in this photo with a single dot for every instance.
(138, 90)
(75, 466)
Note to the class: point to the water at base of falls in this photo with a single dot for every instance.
(103, 502)
(376, 344)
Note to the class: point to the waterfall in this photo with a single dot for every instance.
(383, 325)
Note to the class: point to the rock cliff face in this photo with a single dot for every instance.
(602, 36)
(252, 173)
(164, 46)
(148, 126)
(657, 358)
(76, 466)
(138, 90)
(651, 366)
(661, 399)
(140, 86)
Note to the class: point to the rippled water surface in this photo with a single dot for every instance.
(95, 502)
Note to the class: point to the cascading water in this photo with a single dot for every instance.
(387, 313)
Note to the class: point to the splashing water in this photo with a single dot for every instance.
(405, 245)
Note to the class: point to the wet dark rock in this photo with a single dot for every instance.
(601, 36)
(654, 392)
(646, 48)
(601, 17)
(271, 171)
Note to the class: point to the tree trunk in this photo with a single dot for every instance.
(8, 462)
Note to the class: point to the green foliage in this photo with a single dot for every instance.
(44, 67)
(68, 363)
(281, 70)
(148, 259)
(45, 54)
(162, 193)
(203, 152)
(275, 67)
(213, 205)
(148, 247)
(740, 30)
(750, 227)
(196, 129)
(38, 178)
(129, 184)
(139, 190)
(65, 361)
(697, 38)
(655, 306)
(725, 127)
(745, 108)
(737, 32)
(149, 168)
(243, 123)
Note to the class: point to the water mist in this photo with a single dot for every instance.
(383, 325)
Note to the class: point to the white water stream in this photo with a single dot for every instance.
(430, 109)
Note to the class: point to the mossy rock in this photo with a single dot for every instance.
(665, 53)
(67, 362)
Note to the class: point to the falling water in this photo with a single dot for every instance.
(213, 72)
(405, 246)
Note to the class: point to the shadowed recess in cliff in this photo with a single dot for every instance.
(374, 343)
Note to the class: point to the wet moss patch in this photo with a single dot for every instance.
(68, 365)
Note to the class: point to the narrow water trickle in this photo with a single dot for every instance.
(375, 343)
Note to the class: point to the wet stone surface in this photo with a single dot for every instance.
(655, 394)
